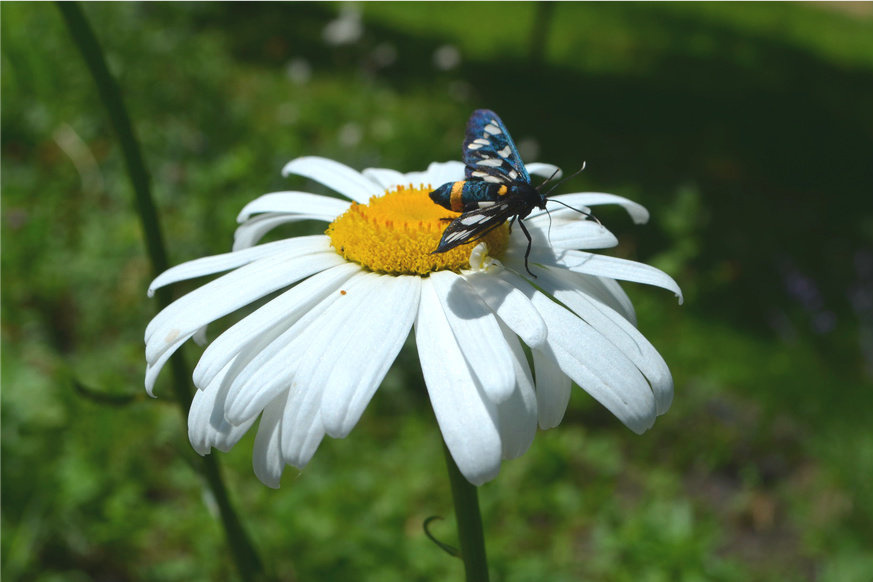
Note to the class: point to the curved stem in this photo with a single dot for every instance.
(246, 558)
(470, 534)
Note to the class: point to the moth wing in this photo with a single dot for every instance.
(474, 224)
(489, 152)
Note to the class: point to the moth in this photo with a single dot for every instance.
(497, 187)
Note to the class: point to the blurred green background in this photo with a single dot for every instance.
(746, 129)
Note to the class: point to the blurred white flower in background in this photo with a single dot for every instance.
(446, 57)
(346, 28)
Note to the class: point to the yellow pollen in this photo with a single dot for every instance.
(398, 232)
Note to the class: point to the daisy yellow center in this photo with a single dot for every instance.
(398, 232)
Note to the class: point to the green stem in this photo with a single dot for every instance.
(470, 534)
(246, 558)
(110, 94)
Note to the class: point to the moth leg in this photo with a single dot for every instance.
(529, 243)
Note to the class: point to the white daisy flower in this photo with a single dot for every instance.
(309, 360)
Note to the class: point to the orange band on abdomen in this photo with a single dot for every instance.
(455, 199)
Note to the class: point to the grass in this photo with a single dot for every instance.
(745, 129)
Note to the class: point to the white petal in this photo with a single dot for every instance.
(437, 174)
(228, 293)
(272, 367)
(254, 229)
(387, 179)
(603, 289)
(566, 229)
(503, 294)
(608, 291)
(266, 367)
(336, 176)
(581, 200)
(267, 453)
(615, 329)
(615, 268)
(315, 357)
(477, 333)
(544, 170)
(598, 366)
(302, 430)
(250, 386)
(302, 454)
(322, 351)
(174, 325)
(553, 388)
(466, 418)
(441, 172)
(227, 261)
(518, 414)
(310, 205)
(370, 345)
(207, 425)
(281, 312)
(199, 336)
(154, 368)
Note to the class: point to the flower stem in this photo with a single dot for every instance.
(244, 554)
(470, 535)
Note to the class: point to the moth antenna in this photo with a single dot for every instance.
(582, 212)
(549, 179)
(586, 214)
(549, 231)
(573, 175)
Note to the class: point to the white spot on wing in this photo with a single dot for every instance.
(472, 219)
(474, 146)
(490, 162)
(505, 152)
(486, 203)
(512, 174)
(492, 129)
(482, 141)
(493, 179)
